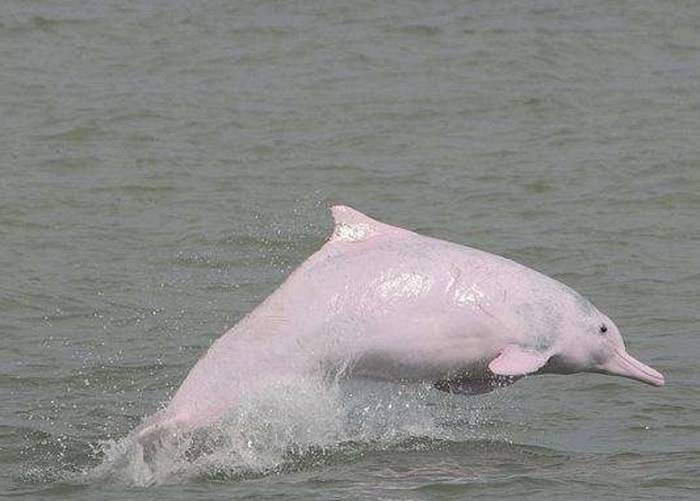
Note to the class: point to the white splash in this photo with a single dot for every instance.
(469, 296)
(404, 285)
(352, 232)
(286, 426)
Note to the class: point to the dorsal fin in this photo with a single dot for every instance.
(353, 226)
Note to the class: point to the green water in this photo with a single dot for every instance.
(164, 164)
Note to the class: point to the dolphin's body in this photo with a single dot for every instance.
(386, 303)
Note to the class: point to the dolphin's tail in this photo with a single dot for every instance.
(154, 430)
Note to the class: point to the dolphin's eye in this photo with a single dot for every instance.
(603, 328)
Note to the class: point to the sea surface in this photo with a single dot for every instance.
(165, 164)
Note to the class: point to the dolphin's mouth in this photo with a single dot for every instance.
(625, 365)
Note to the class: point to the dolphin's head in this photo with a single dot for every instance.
(593, 343)
(583, 340)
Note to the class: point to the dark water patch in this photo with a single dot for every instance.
(419, 29)
(70, 163)
(148, 188)
(77, 133)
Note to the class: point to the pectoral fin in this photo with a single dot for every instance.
(516, 360)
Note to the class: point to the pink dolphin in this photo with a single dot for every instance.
(383, 302)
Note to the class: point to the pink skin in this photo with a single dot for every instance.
(383, 302)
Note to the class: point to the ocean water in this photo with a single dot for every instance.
(165, 164)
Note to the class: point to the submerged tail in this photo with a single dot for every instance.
(155, 429)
